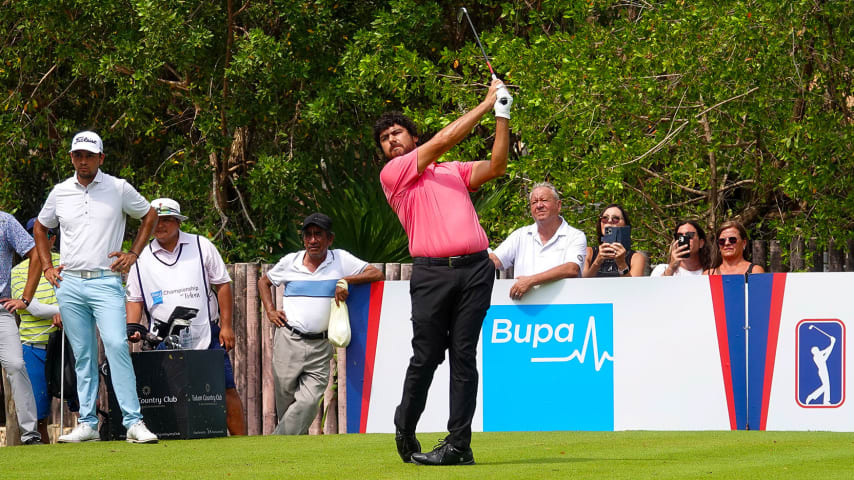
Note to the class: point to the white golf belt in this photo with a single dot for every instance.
(89, 274)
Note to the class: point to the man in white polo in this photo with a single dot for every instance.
(546, 251)
(90, 209)
(177, 269)
(301, 350)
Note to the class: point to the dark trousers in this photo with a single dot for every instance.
(448, 308)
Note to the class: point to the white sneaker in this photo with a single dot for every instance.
(81, 433)
(139, 433)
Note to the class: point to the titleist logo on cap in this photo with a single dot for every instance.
(85, 139)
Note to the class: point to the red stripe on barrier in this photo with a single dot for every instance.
(716, 285)
(776, 310)
(374, 311)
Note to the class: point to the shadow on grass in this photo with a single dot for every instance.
(558, 460)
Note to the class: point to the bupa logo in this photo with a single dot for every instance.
(820, 363)
(156, 297)
(558, 358)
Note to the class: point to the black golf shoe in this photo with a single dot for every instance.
(444, 454)
(407, 444)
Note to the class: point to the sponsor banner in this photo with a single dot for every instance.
(808, 370)
(593, 354)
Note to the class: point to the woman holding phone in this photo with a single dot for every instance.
(689, 252)
(613, 258)
(729, 256)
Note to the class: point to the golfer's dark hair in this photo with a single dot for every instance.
(704, 252)
(389, 119)
(599, 232)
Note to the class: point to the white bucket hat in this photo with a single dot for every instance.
(166, 207)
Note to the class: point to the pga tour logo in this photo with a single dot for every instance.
(820, 363)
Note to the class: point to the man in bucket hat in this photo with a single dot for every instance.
(171, 265)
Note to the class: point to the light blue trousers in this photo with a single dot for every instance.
(83, 304)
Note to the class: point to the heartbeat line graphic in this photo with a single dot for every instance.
(588, 335)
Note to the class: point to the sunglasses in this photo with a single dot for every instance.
(611, 218)
(728, 240)
(161, 210)
(686, 235)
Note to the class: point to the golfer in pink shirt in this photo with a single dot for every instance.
(452, 277)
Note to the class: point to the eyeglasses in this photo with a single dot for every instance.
(728, 240)
(611, 218)
(686, 235)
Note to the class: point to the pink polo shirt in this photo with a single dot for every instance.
(434, 207)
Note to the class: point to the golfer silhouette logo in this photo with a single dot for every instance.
(820, 367)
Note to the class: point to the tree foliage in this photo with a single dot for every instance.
(252, 114)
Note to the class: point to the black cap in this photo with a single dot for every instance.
(319, 219)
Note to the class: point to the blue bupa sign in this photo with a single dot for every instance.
(820, 371)
(548, 367)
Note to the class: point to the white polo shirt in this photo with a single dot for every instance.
(307, 294)
(524, 251)
(91, 219)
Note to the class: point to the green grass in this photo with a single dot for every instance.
(534, 455)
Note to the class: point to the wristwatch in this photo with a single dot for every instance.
(624, 271)
(26, 302)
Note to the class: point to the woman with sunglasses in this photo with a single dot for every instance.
(729, 256)
(691, 258)
(612, 259)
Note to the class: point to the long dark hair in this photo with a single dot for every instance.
(717, 259)
(599, 232)
(704, 252)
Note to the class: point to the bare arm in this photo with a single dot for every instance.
(124, 260)
(276, 317)
(51, 273)
(591, 267)
(457, 130)
(496, 261)
(368, 275)
(525, 283)
(638, 265)
(225, 298)
(484, 171)
(133, 314)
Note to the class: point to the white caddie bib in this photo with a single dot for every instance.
(165, 286)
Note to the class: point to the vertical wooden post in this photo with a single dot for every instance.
(392, 271)
(817, 263)
(342, 390)
(330, 399)
(405, 271)
(238, 354)
(759, 254)
(849, 257)
(835, 256)
(253, 352)
(796, 255)
(776, 256)
(13, 432)
(268, 394)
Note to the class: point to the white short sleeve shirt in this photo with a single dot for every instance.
(91, 219)
(307, 294)
(524, 251)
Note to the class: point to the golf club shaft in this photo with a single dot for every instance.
(822, 331)
(477, 38)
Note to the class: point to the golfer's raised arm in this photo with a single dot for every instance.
(457, 130)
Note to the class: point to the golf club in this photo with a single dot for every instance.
(820, 330)
(465, 12)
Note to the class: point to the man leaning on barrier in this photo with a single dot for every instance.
(171, 263)
(545, 251)
(301, 349)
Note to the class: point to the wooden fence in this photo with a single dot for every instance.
(252, 354)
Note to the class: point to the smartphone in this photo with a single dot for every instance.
(683, 240)
(621, 235)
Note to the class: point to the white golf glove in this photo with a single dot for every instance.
(502, 103)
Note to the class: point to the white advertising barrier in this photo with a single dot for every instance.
(591, 354)
(802, 379)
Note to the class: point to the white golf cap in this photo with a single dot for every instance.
(89, 141)
(166, 207)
